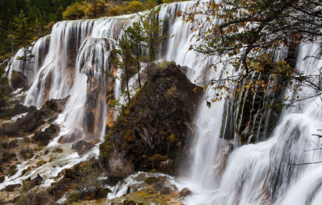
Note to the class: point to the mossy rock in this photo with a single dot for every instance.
(151, 180)
(155, 125)
(40, 163)
(26, 171)
(58, 150)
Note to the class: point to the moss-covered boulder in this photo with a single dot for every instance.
(18, 80)
(151, 131)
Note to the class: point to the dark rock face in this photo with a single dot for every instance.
(71, 137)
(11, 188)
(253, 116)
(82, 147)
(2, 179)
(185, 192)
(30, 183)
(33, 119)
(18, 80)
(151, 131)
(44, 137)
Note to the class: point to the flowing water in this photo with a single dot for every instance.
(280, 169)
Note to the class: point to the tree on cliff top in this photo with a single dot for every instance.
(248, 35)
(141, 37)
(23, 37)
(136, 39)
(126, 61)
(152, 28)
(4, 87)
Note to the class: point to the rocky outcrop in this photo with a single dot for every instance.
(152, 130)
(148, 188)
(82, 147)
(29, 123)
(18, 80)
(81, 182)
(44, 137)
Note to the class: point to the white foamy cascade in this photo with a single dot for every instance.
(276, 171)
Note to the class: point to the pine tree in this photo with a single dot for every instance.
(23, 38)
(136, 37)
(152, 29)
(126, 61)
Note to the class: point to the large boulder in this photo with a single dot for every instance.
(44, 137)
(82, 147)
(152, 130)
(18, 80)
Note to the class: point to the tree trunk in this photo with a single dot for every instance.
(139, 68)
(127, 83)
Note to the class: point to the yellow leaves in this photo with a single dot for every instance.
(134, 7)
(179, 14)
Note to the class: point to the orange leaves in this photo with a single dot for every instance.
(179, 14)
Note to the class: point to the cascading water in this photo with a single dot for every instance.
(220, 171)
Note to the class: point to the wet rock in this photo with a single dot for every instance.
(18, 80)
(7, 156)
(72, 177)
(148, 188)
(11, 188)
(71, 174)
(82, 147)
(40, 163)
(77, 134)
(33, 119)
(129, 202)
(32, 108)
(165, 187)
(46, 136)
(58, 150)
(30, 183)
(13, 170)
(185, 192)
(151, 180)
(19, 109)
(25, 171)
(2, 178)
(95, 141)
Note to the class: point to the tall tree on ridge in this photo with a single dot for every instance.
(23, 38)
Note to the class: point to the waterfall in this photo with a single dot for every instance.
(222, 171)
(270, 171)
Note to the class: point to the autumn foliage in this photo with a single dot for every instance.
(249, 37)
